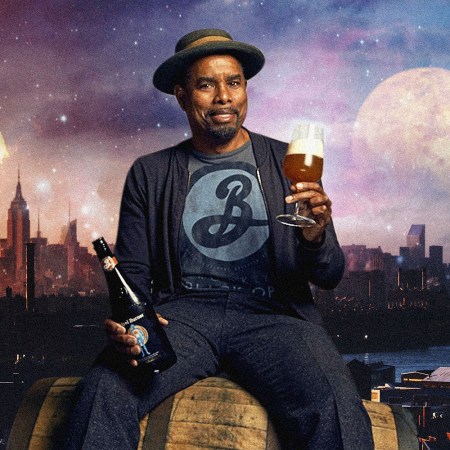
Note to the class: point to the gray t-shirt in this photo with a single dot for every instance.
(224, 233)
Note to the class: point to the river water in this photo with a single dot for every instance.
(407, 360)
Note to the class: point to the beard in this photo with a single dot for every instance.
(223, 133)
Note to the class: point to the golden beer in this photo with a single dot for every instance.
(303, 162)
(304, 159)
(300, 167)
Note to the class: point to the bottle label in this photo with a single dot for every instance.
(132, 320)
(141, 335)
(108, 263)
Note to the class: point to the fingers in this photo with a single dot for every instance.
(313, 197)
(314, 203)
(113, 327)
(321, 208)
(307, 191)
(122, 342)
(133, 362)
(304, 185)
(162, 321)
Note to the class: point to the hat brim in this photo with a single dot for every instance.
(167, 75)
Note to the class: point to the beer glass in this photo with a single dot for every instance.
(303, 162)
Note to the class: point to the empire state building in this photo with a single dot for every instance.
(18, 231)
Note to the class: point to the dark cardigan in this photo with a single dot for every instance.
(150, 219)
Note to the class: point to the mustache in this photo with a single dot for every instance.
(214, 112)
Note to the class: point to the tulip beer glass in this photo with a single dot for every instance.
(303, 162)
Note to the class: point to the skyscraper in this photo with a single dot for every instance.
(72, 246)
(436, 255)
(416, 244)
(436, 264)
(18, 231)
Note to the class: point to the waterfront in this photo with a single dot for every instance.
(61, 336)
(407, 360)
(404, 361)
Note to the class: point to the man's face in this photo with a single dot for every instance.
(214, 97)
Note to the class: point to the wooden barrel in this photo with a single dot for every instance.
(213, 413)
(393, 427)
(41, 419)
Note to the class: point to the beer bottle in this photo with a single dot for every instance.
(139, 319)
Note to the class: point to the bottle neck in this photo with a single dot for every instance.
(130, 291)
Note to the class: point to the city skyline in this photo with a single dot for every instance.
(64, 226)
(77, 105)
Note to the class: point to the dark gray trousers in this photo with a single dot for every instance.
(289, 364)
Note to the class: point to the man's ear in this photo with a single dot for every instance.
(180, 94)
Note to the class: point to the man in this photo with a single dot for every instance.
(198, 236)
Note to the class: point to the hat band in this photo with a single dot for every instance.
(206, 39)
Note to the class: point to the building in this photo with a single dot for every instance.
(415, 378)
(40, 246)
(3, 247)
(436, 267)
(18, 233)
(420, 388)
(55, 264)
(367, 288)
(427, 397)
(440, 378)
(436, 255)
(412, 279)
(45, 269)
(366, 376)
(415, 241)
(390, 264)
(70, 242)
(355, 258)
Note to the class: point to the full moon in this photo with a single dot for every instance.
(402, 130)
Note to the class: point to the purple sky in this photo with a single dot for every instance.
(77, 105)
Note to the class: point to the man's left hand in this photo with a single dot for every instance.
(315, 204)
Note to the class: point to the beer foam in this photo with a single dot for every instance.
(306, 146)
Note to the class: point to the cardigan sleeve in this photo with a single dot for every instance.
(324, 263)
(132, 244)
(297, 261)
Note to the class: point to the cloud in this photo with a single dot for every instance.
(76, 87)
(110, 113)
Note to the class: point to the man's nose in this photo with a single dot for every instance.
(222, 94)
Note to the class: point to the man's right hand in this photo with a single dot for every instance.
(122, 341)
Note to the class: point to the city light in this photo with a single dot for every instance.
(3, 150)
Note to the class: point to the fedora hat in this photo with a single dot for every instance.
(205, 42)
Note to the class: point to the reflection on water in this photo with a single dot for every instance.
(407, 360)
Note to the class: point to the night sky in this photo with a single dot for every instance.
(77, 104)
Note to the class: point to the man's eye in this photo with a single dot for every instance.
(205, 86)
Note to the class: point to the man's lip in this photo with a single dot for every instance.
(223, 116)
(221, 112)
